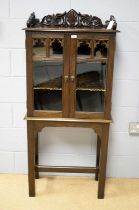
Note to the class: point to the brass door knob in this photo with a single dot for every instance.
(72, 78)
(66, 78)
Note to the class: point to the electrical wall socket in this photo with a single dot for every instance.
(134, 128)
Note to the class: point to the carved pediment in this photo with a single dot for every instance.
(69, 19)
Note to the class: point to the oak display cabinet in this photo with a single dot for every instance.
(70, 59)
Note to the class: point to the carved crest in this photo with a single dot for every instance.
(69, 19)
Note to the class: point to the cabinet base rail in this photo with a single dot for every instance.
(66, 169)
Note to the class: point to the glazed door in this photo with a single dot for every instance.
(50, 75)
(88, 73)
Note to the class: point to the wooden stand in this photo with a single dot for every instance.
(35, 125)
(70, 58)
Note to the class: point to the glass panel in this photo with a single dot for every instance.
(101, 48)
(47, 100)
(90, 86)
(38, 48)
(88, 101)
(56, 47)
(84, 48)
(47, 78)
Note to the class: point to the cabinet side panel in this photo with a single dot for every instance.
(109, 78)
(29, 74)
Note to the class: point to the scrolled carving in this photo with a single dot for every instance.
(69, 19)
(96, 22)
(115, 23)
(72, 18)
(32, 21)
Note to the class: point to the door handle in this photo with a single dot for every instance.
(72, 78)
(66, 78)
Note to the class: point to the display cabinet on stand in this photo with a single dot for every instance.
(70, 60)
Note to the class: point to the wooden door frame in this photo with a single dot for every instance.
(29, 71)
(109, 77)
(72, 83)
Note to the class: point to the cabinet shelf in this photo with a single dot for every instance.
(48, 59)
(79, 88)
(92, 89)
(47, 88)
(60, 59)
(87, 82)
(93, 60)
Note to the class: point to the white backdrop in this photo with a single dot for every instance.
(69, 146)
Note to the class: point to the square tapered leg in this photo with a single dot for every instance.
(31, 158)
(97, 157)
(36, 154)
(103, 161)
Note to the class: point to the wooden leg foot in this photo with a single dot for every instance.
(37, 175)
(101, 196)
(31, 158)
(31, 194)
